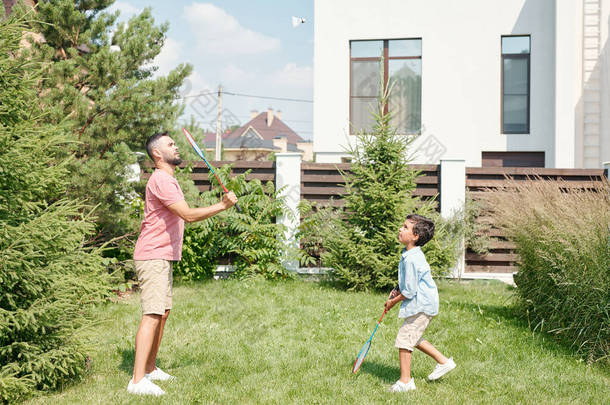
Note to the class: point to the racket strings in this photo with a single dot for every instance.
(361, 356)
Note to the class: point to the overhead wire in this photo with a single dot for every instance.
(207, 93)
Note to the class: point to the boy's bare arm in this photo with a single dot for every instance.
(395, 298)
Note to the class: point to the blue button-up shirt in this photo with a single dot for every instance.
(416, 284)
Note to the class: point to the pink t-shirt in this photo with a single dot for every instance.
(162, 231)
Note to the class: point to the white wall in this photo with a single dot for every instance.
(605, 81)
(461, 70)
(568, 107)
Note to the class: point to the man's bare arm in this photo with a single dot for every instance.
(188, 214)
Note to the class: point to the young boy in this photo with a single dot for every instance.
(419, 296)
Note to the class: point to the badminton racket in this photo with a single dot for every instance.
(365, 349)
(202, 156)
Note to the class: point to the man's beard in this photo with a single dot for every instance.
(172, 159)
(175, 161)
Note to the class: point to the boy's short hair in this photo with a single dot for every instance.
(152, 142)
(423, 227)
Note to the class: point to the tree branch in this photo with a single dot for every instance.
(89, 121)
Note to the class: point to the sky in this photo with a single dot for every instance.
(248, 46)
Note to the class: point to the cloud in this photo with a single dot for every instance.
(293, 76)
(232, 74)
(126, 9)
(169, 57)
(194, 83)
(217, 32)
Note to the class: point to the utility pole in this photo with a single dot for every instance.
(219, 125)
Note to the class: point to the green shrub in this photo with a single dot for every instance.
(49, 279)
(562, 236)
(251, 240)
(322, 231)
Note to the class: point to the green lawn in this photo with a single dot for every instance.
(258, 342)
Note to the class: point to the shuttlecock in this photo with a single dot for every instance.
(296, 21)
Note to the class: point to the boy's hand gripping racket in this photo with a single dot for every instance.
(201, 155)
(367, 346)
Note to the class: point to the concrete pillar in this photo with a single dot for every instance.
(453, 186)
(453, 197)
(288, 175)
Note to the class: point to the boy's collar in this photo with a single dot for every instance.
(410, 252)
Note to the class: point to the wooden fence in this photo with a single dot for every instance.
(480, 180)
(323, 183)
(320, 182)
(263, 171)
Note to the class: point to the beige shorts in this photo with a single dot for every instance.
(411, 332)
(155, 278)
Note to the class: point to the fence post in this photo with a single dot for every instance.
(453, 198)
(288, 175)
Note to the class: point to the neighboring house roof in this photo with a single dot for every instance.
(268, 132)
(211, 136)
(248, 141)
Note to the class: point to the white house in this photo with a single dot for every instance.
(492, 82)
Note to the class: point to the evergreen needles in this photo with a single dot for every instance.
(49, 280)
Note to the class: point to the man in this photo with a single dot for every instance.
(158, 246)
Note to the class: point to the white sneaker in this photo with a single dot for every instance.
(442, 369)
(399, 386)
(160, 375)
(144, 387)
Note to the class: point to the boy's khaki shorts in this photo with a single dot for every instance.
(411, 332)
(155, 278)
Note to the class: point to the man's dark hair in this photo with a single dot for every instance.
(152, 142)
(423, 227)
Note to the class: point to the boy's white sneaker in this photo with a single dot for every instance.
(399, 386)
(442, 369)
(159, 375)
(144, 387)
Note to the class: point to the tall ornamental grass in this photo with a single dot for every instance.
(562, 236)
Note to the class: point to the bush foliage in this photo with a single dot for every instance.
(562, 236)
(49, 279)
(251, 241)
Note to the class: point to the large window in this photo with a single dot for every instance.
(516, 84)
(401, 70)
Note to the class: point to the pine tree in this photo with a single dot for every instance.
(98, 81)
(364, 249)
(48, 280)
